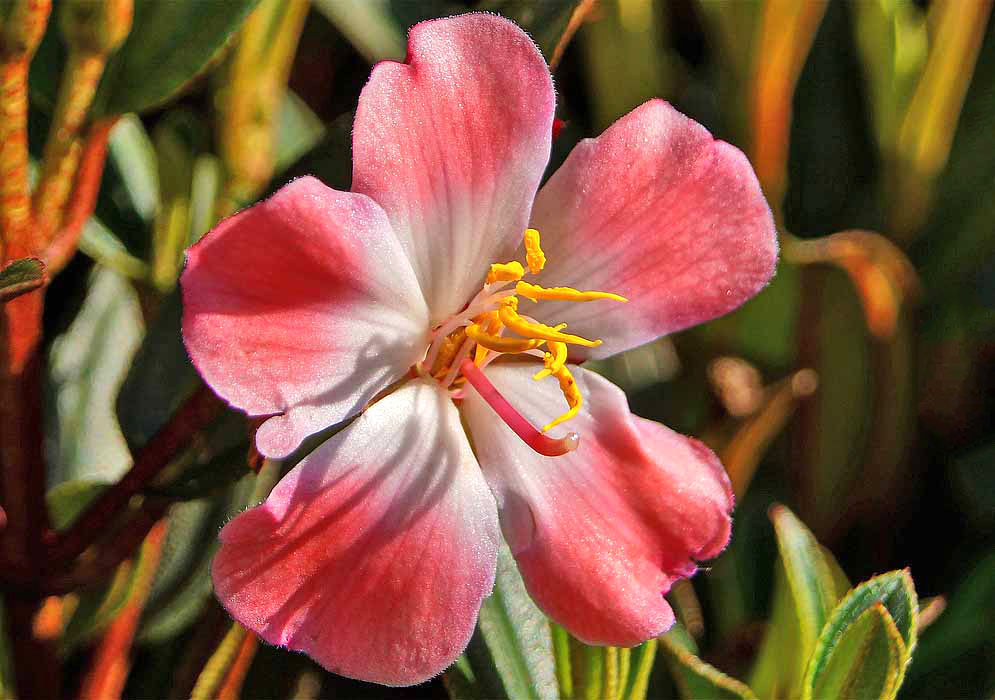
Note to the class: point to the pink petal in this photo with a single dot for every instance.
(601, 533)
(303, 305)
(373, 555)
(656, 210)
(452, 144)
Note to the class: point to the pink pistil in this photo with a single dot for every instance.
(542, 444)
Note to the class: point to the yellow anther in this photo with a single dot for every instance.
(571, 393)
(505, 272)
(533, 253)
(537, 293)
(499, 343)
(508, 313)
(553, 361)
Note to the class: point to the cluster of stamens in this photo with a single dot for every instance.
(490, 326)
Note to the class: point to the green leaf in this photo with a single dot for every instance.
(588, 670)
(694, 677)
(368, 25)
(866, 662)
(517, 635)
(460, 681)
(182, 584)
(205, 185)
(378, 28)
(160, 379)
(895, 593)
(807, 585)
(893, 41)
(810, 580)
(88, 363)
(107, 249)
(561, 655)
(640, 666)
(170, 43)
(67, 500)
(298, 130)
(131, 152)
(778, 668)
(20, 277)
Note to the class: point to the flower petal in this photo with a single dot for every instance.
(303, 305)
(373, 555)
(656, 210)
(601, 533)
(452, 144)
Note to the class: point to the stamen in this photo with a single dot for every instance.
(500, 344)
(505, 272)
(534, 256)
(553, 361)
(543, 444)
(508, 313)
(537, 293)
(571, 393)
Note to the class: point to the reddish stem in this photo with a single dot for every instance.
(543, 444)
(113, 657)
(83, 198)
(109, 557)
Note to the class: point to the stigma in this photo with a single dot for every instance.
(492, 325)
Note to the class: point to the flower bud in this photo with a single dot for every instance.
(96, 26)
(22, 25)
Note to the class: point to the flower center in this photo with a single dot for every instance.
(491, 326)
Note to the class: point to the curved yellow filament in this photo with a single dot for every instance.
(537, 293)
(571, 393)
(553, 361)
(508, 313)
(499, 343)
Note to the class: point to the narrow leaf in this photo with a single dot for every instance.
(88, 363)
(778, 669)
(587, 668)
(561, 654)
(640, 666)
(865, 663)
(149, 68)
(694, 677)
(895, 593)
(810, 579)
(517, 635)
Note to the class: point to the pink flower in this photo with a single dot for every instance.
(374, 553)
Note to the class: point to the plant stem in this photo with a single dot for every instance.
(19, 37)
(83, 198)
(112, 659)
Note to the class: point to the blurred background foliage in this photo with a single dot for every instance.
(857, 389)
